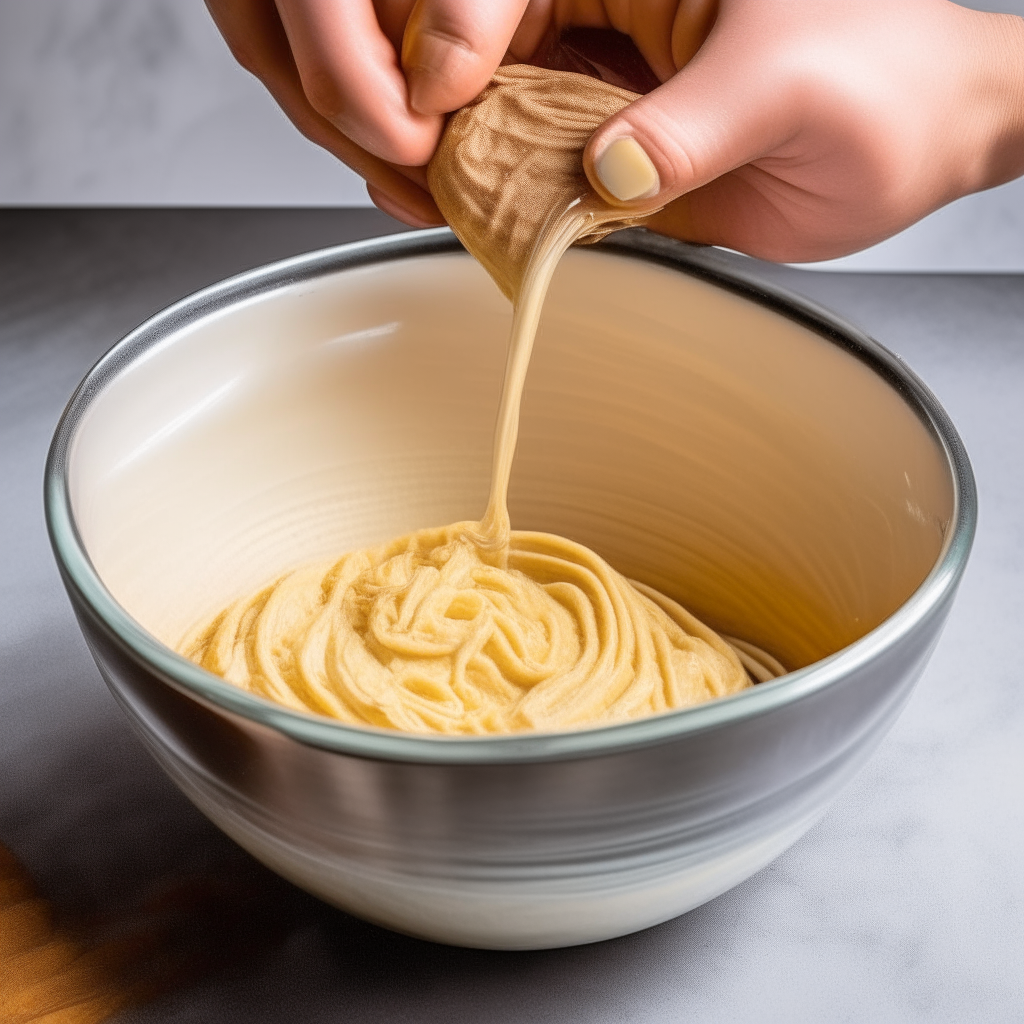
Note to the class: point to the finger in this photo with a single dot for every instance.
(649, 25)
(692, 25)
(392, 16)
(666, 32)
(726, 107)
(351, 76)
(452, 47)
(394, 208)
(255, 36)
(531, 32)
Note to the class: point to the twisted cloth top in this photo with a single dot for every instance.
(513, 155)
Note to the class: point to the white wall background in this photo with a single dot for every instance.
(114, 102)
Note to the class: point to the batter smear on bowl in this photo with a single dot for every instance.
(475, 628)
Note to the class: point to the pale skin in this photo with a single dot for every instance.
(788, 129)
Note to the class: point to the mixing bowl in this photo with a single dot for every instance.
(769, 466)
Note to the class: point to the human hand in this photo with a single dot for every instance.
(800, 130)
(805, 130)
(371, 80)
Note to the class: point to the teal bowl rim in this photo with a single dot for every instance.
(84, 584)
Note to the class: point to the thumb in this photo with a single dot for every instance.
(716, 114)
(451, 48)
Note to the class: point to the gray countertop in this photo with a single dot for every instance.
(906, 903)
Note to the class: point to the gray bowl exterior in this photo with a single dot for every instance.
(549, 845)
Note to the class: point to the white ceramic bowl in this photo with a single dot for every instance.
(782, 475)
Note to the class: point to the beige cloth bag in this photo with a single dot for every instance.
(513, 157)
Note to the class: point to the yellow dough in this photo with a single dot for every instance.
(424, 634)
(474, 628)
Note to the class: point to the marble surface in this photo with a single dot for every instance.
(906, 903)
(116, 102)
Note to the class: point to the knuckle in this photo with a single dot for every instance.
(678, 156)
(453, 37)
(443, 48)
(324, 95)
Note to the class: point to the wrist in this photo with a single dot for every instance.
(994, 139)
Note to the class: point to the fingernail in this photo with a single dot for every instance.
(399, 210)
(423, 62)
(418, 91)
(416, 75)
(626, 171)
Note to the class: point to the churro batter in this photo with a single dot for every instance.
(475, 628)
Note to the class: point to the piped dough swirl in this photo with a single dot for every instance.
(423, 634)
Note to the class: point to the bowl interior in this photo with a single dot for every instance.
(770, 480)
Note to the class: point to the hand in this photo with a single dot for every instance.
(809, 129)
(801, 130)
(370, 80)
